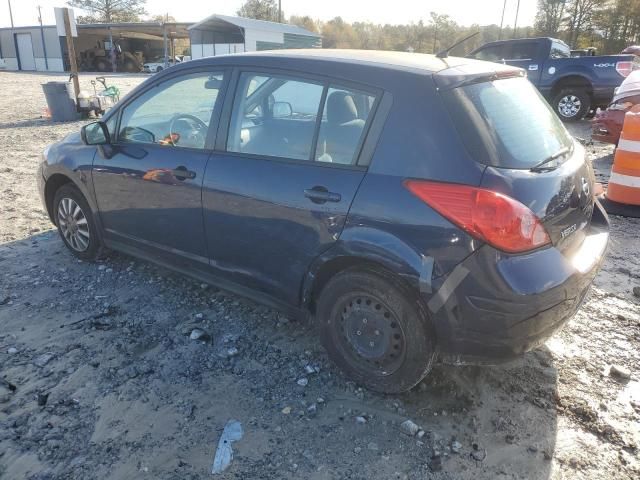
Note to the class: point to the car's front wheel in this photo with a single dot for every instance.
(75, 223)
(375, 331)
(572, 104)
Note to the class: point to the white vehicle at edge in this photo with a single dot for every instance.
(157, 64)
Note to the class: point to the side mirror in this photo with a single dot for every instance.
(282, 110)
(95, 133)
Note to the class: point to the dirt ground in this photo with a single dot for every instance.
(100, 379)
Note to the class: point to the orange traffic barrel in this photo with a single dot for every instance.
(624, 182)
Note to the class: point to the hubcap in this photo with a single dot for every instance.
(371, 336)
(73, 224)
(569, 106)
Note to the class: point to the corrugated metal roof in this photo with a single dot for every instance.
(252, 24)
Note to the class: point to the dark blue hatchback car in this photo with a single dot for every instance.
(416, 207)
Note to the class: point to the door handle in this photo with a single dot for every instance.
(320, 194)
(181, 173)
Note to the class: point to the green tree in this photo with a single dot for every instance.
(109, 11)
(260, 10)
(162, 18)
(337, 33)
(304, 22)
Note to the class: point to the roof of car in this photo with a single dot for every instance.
(402, 61)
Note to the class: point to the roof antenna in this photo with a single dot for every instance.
(445, 53)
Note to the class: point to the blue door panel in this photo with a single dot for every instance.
(146, 197)
(262, 230)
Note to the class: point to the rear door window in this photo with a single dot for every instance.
(522, 51)
(344, 118)
(559, 50)
(275, 116)
(506, 123)
(298, 119)
(492, 53)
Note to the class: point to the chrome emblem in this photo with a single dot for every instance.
(568, 231)
(585, 187)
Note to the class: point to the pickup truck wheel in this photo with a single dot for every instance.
(374, 331)
(571, 104)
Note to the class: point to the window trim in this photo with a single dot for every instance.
(216, 114)
(326, 82)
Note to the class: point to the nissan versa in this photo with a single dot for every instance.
(417, 207)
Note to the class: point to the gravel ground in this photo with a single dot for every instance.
(99, 377)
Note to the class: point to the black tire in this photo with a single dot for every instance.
(375, 332)
(93, 249)
(103, 66)
(159, 69)
(571, 104)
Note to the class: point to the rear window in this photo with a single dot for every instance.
(506, 123)
(559, 50)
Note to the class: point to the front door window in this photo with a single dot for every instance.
(175, 113)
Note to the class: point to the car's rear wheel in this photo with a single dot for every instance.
(572, 104)
(75, 223)
(159, 69)
(374, 331)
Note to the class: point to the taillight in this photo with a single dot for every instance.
(624, 68)
(489, 216)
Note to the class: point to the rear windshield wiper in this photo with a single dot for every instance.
(541, 166)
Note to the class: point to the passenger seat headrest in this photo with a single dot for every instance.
(341, 108)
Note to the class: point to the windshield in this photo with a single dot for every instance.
(506, 123)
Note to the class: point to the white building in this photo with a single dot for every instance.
(221, 34)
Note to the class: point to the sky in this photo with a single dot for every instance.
(465, 12)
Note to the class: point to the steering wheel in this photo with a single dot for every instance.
(198, 127)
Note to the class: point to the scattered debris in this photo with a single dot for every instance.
(409, 428)
(456, 446)
(107, 312)
(8, 384)
(286, 410)
(12, 350)
(199, 334)
(303, 382)
(360, 420)
(620, 372)
(478, 454)
(636, 291)
(232, 352)
(224, 453)
(43, 359)
(42, 399)
(436, 463)
(311, 369)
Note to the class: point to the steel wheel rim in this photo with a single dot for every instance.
(370, 335)
(73, 224)
(569, 106)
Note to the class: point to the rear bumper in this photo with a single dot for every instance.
(506, 305)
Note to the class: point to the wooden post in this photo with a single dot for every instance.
(72, 54)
